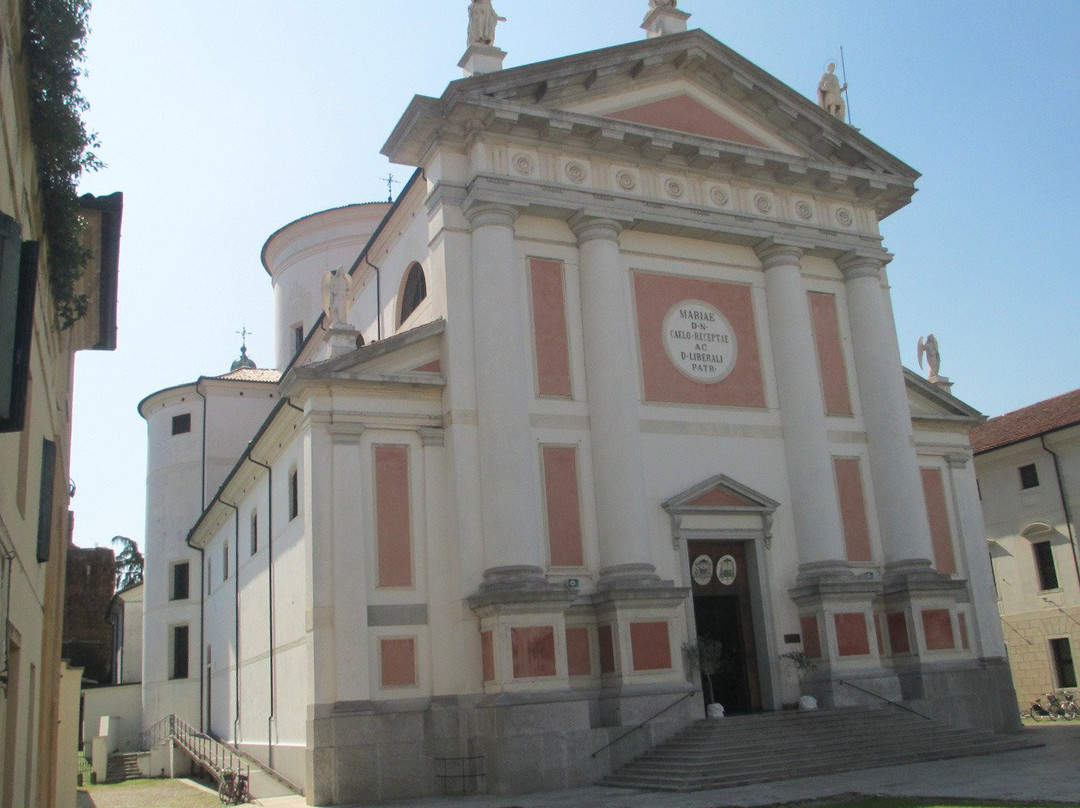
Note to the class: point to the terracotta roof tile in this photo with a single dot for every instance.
(1027, 422)
(252, 375)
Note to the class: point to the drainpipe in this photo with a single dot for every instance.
(1064, 504)
(378, 298)
(236, 618)
(270, 600)
(202, 567)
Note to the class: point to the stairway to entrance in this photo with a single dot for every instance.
(124, 766)
(742, 750)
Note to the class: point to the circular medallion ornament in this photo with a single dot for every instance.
(700, 341)
(719, 196)
(802, 207)
(726, 570)
(673, 188)
(763, 203)
(843, 215)
(523, 164)
(575, 172)
(701, 570)
(626, 180)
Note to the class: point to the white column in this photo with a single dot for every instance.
(819, 532)
(618, 474)
(894, 468)
(508, 478)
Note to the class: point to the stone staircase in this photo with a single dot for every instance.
(743, 750)
(123, 766)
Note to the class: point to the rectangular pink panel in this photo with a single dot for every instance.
(563, 506)
(938, 514)
(533, 650)
(830, 353)
(650, 646)
(851, 636)
(607, 649)
(899, 641)
(578, 662)
(685, 114)
(937, 628)
(397, 660)
(655, 296)
(811, 637)
(487, 652)
(849, 488)
(550, 335)
(393, 529)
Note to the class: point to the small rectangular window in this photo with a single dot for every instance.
(18, 286)
(1029, 476)
(254, 532)
(179, 653)
(1044, 565)
(1064, 670)
(180, 579)
(298, 338)
(225, 562)
(181, 423)
(45, 502)
(294, 494)
(209, 574)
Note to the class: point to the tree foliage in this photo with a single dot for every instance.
(56, 32)
(129, 563)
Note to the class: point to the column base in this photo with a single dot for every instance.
(628, 576)
(516, 578)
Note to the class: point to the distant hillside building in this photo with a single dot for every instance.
(1028, 467)
(616, 370)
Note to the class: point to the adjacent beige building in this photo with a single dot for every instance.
(36, 358)
(1028, 467)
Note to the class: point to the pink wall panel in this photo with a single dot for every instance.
(937, 628)
(550, 336)
(563, 506)
(533, 651)
(684, 114)
(650, 646)
(811, 637)
(578, 662)
(851, 636)
(830, 353)
(398, 662)
(393, 527)
(434, 366)
(849, 487)
(654, 296)
(938, 513)
(487, 653)
(607, 649)
(899, 641)
(719, 498)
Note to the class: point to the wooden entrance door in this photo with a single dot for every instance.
(723, 610)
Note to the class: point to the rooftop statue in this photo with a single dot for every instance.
(663, 3)
(336, 284)
(929, 348)
(482, 22)
(831, 93)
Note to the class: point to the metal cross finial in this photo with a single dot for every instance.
(243, 332)
(390, 182)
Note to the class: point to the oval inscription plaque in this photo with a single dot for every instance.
(699, 341)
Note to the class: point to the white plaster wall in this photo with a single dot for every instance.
(130, 667)
(122, 701)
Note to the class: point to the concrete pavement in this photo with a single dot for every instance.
(1042, 776)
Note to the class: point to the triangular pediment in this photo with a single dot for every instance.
(683, 113)
(928, 402)
(412, 356)
(720, 494)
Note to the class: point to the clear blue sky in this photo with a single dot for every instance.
(222, 121)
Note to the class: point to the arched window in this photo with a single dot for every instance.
(414, 291)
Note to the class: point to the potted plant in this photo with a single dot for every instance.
(804, 666)
(706, 656)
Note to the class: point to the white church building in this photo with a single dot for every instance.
(617, 370)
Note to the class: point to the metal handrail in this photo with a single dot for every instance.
(679, 700)
(203, 749)
(884, 699)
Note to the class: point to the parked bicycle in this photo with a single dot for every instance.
(233, 789)
(1055, 708)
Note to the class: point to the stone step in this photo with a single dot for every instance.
(745, 750)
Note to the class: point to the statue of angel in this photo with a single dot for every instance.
(929, 349)
(336, 284)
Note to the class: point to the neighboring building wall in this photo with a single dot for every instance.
(88, 634)
(126, 614)
(1033, 546)
(123, 704)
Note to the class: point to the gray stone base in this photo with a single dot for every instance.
(370, 752)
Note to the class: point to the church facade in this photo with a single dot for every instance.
(614, 376)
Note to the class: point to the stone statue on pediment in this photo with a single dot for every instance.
(929, 349)
(336, 285)
(663, 3)
(831, 92)
(482, 22)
